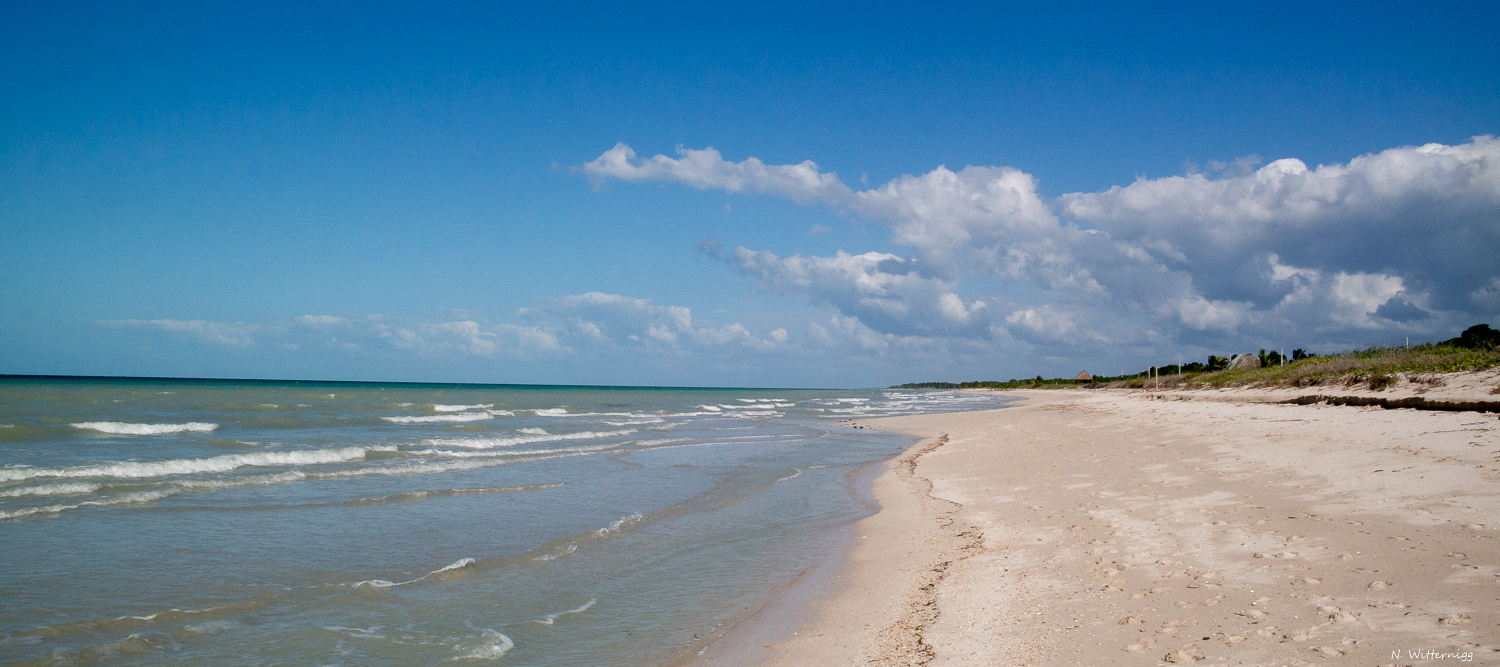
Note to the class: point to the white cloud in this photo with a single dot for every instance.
(705, 169)
(881, 289)
(1428, 214)
(1200, 313)
(1405, 239)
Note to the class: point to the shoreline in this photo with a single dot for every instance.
(1116, 527)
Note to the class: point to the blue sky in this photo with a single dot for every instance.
(608, 195)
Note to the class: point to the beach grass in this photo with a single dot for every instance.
(1375, 368)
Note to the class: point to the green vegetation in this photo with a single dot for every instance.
(1478, 348)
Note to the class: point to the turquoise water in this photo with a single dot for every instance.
(279, 523)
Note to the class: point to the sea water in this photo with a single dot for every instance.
(300, 523)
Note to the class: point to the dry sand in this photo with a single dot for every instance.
(1114, 527)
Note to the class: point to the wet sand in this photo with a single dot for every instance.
(1115, 527)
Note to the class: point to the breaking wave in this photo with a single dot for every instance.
(73, 489)
(549, 618)
(381, 583)
(189, 466)
(491, 443)
(125, 428)
(460, 417)
(460, 408)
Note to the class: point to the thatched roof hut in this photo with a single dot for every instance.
(1242, 361)
(1083, 376)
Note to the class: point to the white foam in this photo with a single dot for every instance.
(549, 618)
(711, 408)
(618, 525)
(381, 583)
(461, 417)
(72, 489)
(491, 443)
(189, 466)
(358, 633)
(794, 475)
(255, 480)
(136, 497)
(496, 645)
(532, 431)
(757, 413)
(461, 408)
(124, 428)
(636, 422)
(458, 564)
(551, 412)
(568, 550)
(511, 452)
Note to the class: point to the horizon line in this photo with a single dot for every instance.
(153, 378)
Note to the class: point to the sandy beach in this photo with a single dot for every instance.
(1139, 528)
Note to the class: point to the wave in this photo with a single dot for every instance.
(381, 583)
(493, 646)
(73, 489)
(424, 494)
(460, 408)
(491, 443)
(618, 525)
(563, 412)
(124, 623)
(125, 428)
(549, 618)
(136, 497)
(461, 417)
(522, 452)
(189, 466)
(254, 480)
(532, 431)
(450, 465)
(568, 550)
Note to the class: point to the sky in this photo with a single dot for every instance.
(775, 195)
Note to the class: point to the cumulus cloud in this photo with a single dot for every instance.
(881, 289)
(1429, 214)
(705, 169)
(1405, 239)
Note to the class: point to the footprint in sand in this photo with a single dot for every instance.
(1379, 585)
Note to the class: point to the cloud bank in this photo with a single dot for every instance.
(1401, 242)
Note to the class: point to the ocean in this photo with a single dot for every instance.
(194, 522)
